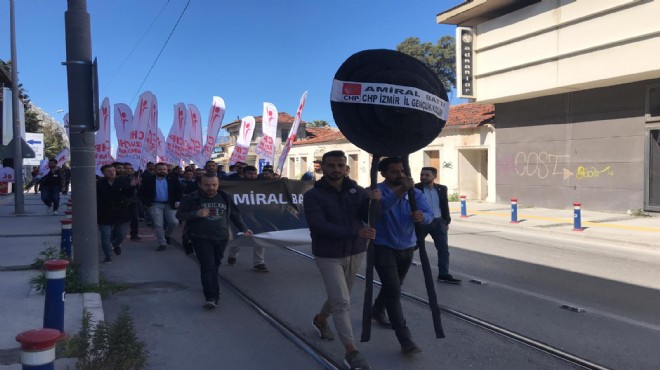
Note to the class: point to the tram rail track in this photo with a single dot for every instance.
(483, 324)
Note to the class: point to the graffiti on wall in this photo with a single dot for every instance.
(544, 165)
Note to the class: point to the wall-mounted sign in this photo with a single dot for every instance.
(465, 62)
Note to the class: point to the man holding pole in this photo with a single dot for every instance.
(335, 210)
(394, 246)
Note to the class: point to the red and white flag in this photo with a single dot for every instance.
(266, 147)
(63, 157)
(7, 174)
(137, 136)
(123, 124)
(160, 148)
(149, 152)
(195, 137)
(174, 145)
(215, 122)
(292, 133)
(102, 137)
(243, 141)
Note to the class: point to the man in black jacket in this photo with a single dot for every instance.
(207, 213)
(335, 210)
(51, 184)
(161, 196)
(112, 204)
(436, 195)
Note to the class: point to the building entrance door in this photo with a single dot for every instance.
(653, 171)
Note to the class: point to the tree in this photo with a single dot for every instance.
(318, 123)
(441, 57)
(53, 141)
(22, 93)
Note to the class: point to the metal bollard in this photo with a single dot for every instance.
(38, 348)
(463, 207)
(577, 217)
(514, 211)
(66, 244)
(54, 303)
(68, 214)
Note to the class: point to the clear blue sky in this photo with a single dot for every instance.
(247, 51)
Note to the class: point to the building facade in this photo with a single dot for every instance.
(576, 87)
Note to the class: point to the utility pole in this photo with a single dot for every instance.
(81, 133)
(19, 197)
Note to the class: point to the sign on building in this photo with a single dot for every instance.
(36, 142)
(465, 62)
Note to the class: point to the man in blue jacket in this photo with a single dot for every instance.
(336, 209)
(395, 245)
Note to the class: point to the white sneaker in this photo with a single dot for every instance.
(55, 213)
(50, 208)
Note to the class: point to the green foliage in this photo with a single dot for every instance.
(107, 345)
(318, 123)
(441, 57)
(22, 93)
(638, 213)
(72, 283)
(453, 197)
(53, 141)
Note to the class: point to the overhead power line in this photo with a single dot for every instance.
(136, 45)
(161, 52)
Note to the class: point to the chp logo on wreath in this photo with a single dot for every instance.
(351, 89)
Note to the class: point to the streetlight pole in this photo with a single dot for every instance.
(19, 198)
(81, 134)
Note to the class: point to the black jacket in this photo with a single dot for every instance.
(444, 202)
(147, 191)
(334, 218)
(112, 201)
(192, 202)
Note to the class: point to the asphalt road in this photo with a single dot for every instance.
(526, 278)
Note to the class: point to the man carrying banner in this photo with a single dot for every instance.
(335, 210)
(394, 246)
(161, 197)
(207, 213)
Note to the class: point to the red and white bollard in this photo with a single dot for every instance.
(68, 214)
(577, 217)
(38, 348)
(514, 211)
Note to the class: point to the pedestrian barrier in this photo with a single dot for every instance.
(55, 295)
(38, 348)
(514, 211)
(577, 217)
(463, 207)
(66, 244)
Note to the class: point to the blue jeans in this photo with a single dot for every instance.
(111, 236)
(392, 266)
(438, 231)
(161, 213)
(50, 195)
(209, 253)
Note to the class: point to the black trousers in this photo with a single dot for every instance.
(133, 209)
(392, 266)
(209, 254)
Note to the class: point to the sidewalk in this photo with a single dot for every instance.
(612, 228)
(22, 238)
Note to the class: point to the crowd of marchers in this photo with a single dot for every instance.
(337, 211)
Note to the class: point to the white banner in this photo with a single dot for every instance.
(123, 126)
(239, 155)
(160, 148)
(292, 133)
(137, 136)
(150, 149)
(195, 139)
(43, 167)
(215, 122)
(245, 134)
(63, 157)
(390, 95)
(102, 137)
(174, 145)
(266, 146)
(7, 174)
